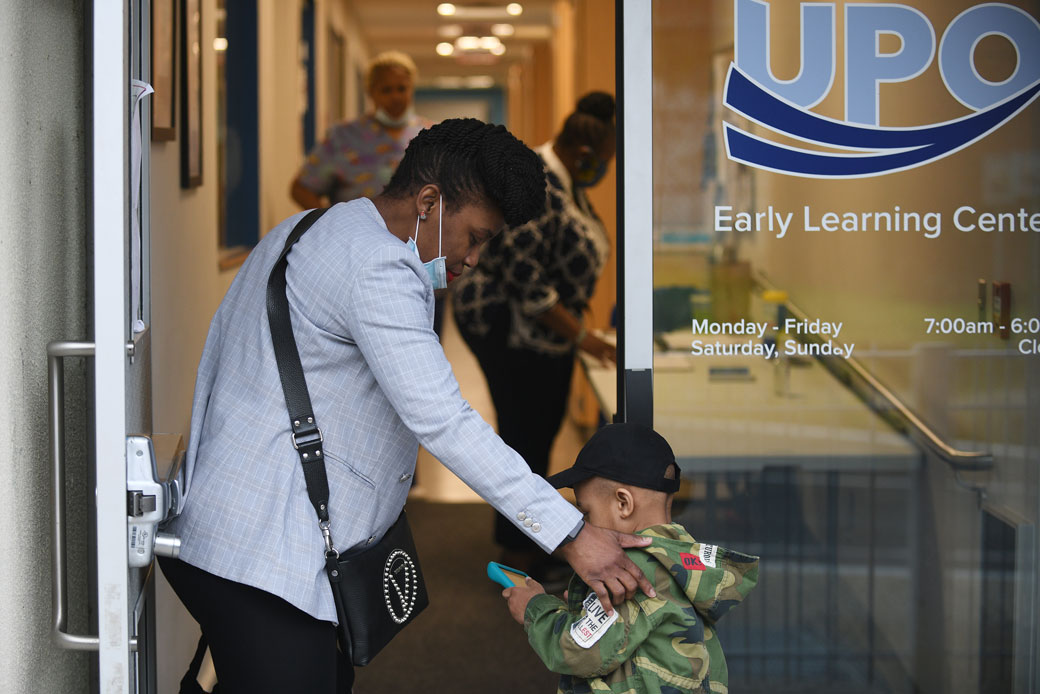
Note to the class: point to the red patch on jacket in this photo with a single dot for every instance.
(692, 562)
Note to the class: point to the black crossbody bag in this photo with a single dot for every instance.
(378, 589)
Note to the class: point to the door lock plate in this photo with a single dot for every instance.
(152, 499)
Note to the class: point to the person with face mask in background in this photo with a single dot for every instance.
(520, 310)
(357, 158)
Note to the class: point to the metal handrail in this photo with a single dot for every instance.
(960, 461)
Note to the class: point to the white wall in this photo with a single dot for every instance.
(281, 94)
(341, 16)
(186, 288)
(186, 282)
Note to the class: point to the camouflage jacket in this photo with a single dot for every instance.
(665, 644)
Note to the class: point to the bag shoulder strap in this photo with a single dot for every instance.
(306, 436)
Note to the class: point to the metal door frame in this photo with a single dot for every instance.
(635, 226)
(110, 217)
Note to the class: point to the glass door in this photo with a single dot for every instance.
(834, 211)
(129, 500)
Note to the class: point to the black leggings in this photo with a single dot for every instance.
(529, 390)
(259, 642)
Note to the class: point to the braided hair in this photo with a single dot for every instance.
(591, 124)
(473, 162)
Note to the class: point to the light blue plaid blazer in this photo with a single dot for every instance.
(362, 313)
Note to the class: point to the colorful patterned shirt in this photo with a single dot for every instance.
(356, 159)
(661, 645)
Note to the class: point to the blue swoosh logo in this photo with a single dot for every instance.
(874, 150)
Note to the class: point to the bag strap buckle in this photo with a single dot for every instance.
(304, 439)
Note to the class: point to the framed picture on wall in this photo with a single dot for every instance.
(337, 78)
(191, 93)
(359, 81)
(164, 40)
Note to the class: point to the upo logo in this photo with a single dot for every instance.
(867, 148)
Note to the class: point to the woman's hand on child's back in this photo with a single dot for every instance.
(519, 596)
(598, 557)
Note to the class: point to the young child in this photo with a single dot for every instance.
(624, 479)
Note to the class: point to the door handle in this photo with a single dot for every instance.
(152, 498)
(56, 353)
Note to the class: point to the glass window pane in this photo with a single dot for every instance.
(847, 329)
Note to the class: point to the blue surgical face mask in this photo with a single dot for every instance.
(435, 268)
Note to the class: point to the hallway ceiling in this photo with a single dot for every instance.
(415, 27)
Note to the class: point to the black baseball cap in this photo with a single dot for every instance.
(625, 452)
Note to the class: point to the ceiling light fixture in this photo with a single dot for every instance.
(515, 9)
(487, 44)
(449, 31)
(503, 29)
(445, 49)
(446, 9)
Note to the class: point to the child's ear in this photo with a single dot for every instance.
(626, 502)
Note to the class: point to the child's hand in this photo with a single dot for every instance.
(519, 596)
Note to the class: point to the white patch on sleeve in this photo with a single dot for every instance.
(707, 554)
(591, 627)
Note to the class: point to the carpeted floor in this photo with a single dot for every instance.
(465, 642)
